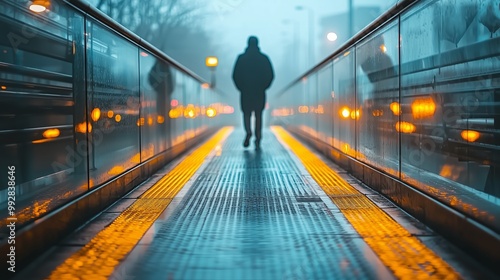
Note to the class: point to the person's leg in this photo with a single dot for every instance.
(258, 128)
(248, 129)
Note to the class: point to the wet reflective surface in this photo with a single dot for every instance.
(253, 215)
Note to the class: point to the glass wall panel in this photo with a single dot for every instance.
(178, 105)
(157, 83)
(377, 100)
(344, 113)
(113, 104)
(448, 71)
(324, 108)
(41, 98)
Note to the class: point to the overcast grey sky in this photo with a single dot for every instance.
(274, 22)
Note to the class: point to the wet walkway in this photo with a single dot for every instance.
(257, 214)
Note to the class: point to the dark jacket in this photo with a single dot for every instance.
(252, 75)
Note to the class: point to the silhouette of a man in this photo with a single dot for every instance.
(252, 75)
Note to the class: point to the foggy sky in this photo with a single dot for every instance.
(274, 22)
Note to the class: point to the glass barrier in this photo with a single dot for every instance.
(418, 99)
(81, 104)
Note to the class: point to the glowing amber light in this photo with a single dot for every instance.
(118, 118)
(95, 114)
(205, 85)
(111, 114)
(470, 135)
(116, 170)
(211, 61)
(51, 133)
(395, 108)
(303, 109)
(355, 115)
(383, 48)
(211, 112)
(423, 107)
(39, 6)
(174, 113)
(377, 113)
(83, 127)
(4, 87)
(160, 119)
(405, 127)
(345, 112)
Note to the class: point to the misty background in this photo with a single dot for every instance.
(293, 33)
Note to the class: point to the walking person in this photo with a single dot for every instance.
(252, 75)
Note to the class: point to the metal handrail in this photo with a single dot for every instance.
(391, 13)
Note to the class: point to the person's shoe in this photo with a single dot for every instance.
(247, 141)
(257, 144)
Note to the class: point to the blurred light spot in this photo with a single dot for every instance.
(423, 107)
(95, 114)
(395, 108)
(144, 54)
(383, 48)
(377, 113)
(118, 118)
(205, 85)
(405, 127)
(346, 53)
(160, 119)
(331, 36)
(136, 158)
(211, 61)
(355, 115)
(470, 135)
(303, 109)
(174, 102)
(3, 87)
(110, 114)
(211, 112)
(228, 109)
(83, 127)
(51, 133)
(345, 112)
(39, 6)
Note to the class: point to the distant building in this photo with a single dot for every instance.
(339, 23)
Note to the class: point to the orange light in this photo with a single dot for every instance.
(205, 85)
(383, 48)
(110, 114)
(395, 108)
(377, 113)
(355, 115)
(116, 170)
(211, 112)
(118, 118)
(160, 119)
(51, 133)
(95, 114)
(423, 107)
(345, 112)
(83, 127)
(211, 61)
(405, 127)
(470, 135)
(150, 121)
(174, 113)
(303, 109)
(4, 87)
(39, 6)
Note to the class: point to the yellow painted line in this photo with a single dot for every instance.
(404, 254)
(98, 258)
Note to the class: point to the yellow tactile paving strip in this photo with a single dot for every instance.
(98, 258)
(404, 254)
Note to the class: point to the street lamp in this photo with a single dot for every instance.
(211, 62)
(295, 42)
(311, 32)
